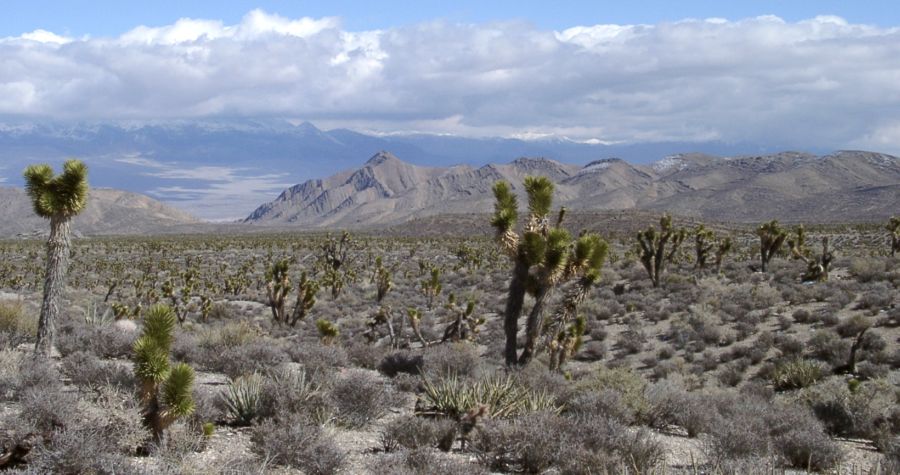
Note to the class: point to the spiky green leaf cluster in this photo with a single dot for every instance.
(588, 255)
(540, 195)
(151, 350)
(506, 207)
(65, 194)
(176, 391)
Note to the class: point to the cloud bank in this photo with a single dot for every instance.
(821, 81)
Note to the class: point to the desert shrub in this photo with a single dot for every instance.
(318, 357)
(731, 374)
(694, 414)
(869, 269)
(801, 440)
(256, 356)
(297, 443)
(852, 326)
(413, 432)
(359, 398)
(739, 432)
(502, 396)
(801, 315)
(796, 374)
(423, 462)
(16, 323)
(858, 410)
(365, 356)
(10, 376)
(827, 346)
(78, 450)
(531, 444)
(868, 370)
(632, 339)
(591, 351)
(48, 408)
(617, 393)
(86, 369)
(788, 345)
(878, 296)
(401, 362)
(295, 391)
(543, 441)
(456, 359)
(107, 340)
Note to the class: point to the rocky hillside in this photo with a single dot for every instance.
(843, 186)
(108, 212)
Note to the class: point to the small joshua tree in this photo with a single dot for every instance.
(723, 247)
(771, 238)
(277, 288)
(465, 324)
(335, 261)
(539, 258)
(431, 287)
(893, 227)
(704, 242)
(165, 389)
(59, 199)
(816, 267)
(657, 248)
(306, 298)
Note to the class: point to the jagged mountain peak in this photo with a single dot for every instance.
(383, 157)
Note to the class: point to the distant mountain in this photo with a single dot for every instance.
(108, 212)
(260, 156)
(844, 186)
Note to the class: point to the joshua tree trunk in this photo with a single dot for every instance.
(54, 283)
(534, 325)
(514, 308)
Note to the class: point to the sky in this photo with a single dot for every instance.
(793, 73)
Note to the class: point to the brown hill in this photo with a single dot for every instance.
(844, 186)
(108, 212)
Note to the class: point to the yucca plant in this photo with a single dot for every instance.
(243, 397)
(501, 396)
(817, 268)
(57, 198)
(165, 389)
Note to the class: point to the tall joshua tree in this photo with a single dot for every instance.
(539, 256)
(771, 238)
(657, 248)
(57, 198)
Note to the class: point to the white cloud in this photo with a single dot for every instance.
(820, 82)
(223, 193)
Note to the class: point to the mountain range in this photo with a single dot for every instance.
(845, 186)
(223, 169)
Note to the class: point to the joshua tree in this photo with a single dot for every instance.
(464, 325)
(540, 255)
(771, 238)
(278, 287)
(57, 198)
(723, 247)
(893, 227)
(653, 247)
(431, 287)
(165, 389)
(704, 241)
(306, 298)
(564, 334)
(335, 261)
(816, 267)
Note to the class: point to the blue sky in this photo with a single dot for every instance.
(111, 18)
